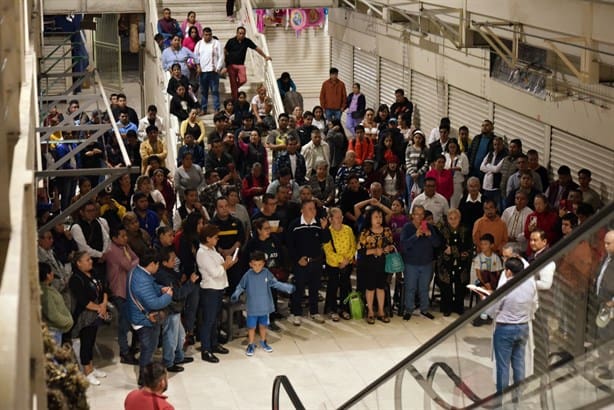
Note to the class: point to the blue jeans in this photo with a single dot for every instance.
(148, 339)
(173, 337)
(417, 278)
(329, 114)
(509, 342)
(123, 326)
(210, 79)
(210, 306)
(56, 335)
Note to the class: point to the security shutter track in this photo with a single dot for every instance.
(424, 96)
(391, 77)
(342, 58)
(515, 125)
(309, 65)
(365, 74)
(466, 109)
(577, 153)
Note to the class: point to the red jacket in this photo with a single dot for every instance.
(363, 149)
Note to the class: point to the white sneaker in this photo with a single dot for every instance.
(99, 374)
(92, 379)
(317, 318)
(296, 320)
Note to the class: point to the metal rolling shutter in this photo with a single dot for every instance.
(424, 96)
(365, 74)
(309, 65)
(466, 109)
(577, 153)
(392, 76)
(515, 125)
(342, 58)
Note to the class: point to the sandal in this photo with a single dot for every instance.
(345, 316)
(384, 318)
(370, 320)
(334, 317)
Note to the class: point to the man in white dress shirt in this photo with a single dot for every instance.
(514, 217)
(209, 66)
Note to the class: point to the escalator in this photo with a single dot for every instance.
(455, 369)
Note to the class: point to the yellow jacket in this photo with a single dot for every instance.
(345, 246)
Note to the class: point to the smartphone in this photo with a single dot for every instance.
(424, 226)
(235, 255)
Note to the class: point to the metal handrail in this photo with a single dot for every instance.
(270, 80)
(162, 78)
(280, 381)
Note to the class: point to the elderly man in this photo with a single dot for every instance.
(604, 289)
(432, 201)
(314, 151)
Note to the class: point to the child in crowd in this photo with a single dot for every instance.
(486, 267)
(257, 283)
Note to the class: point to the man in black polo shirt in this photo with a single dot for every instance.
(231, 236)
(305, 237)
(234, 53)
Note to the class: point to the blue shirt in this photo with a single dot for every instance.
(150, 222)
(418, 250)
(258, 286)
(481, 152)
(171, 56)
(123, 129)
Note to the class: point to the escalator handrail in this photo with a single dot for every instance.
(458, 382)
(280, 381)
(576, 235)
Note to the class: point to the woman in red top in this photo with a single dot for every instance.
(544, 218)
(192, 37)
(361, 145)
(253, 185)
(443, 177)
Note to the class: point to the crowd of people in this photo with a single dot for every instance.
(168, 249)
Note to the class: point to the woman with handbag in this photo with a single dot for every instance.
(263, 241)
(453, 264)
(339, 254)
(374, 243)
(212, 267)
(90, 309)
(356, 104)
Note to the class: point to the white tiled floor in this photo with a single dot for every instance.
(327, 364)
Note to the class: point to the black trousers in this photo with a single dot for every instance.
(309, 276)
(339, 287)
(230, 7)
(452, 295)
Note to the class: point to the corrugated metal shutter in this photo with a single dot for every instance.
(365, 74)
(342, 58)
(424, 95)
(392, 76)
(515, 125)
(309, 64)
(466, 109)
(577, 153)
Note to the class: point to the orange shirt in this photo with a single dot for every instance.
(363, 149)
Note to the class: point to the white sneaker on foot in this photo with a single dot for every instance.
(99, 374)
(92, 379)
(296, 320)
(317, 318)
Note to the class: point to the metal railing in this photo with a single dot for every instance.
(285, 382)
(155, 83)
(246, 14)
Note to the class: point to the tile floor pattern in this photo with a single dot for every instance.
(326, 363)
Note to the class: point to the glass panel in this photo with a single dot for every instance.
(568, 360)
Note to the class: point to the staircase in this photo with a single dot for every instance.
(213, 14)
